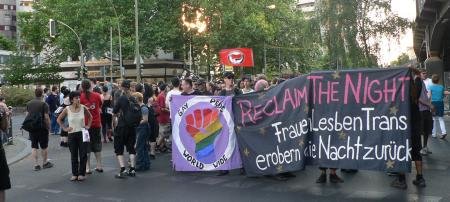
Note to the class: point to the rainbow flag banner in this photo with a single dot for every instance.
(203, 134)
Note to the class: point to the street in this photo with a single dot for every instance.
(163, 184)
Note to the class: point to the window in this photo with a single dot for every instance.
(6, 28)
(5, 7)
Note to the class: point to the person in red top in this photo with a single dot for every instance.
(163, 118)
(93, 102)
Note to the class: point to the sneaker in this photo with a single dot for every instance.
(424, 151)
(37, 168)
(399, 184)
(434, 136)
(131, 173)
(443, 136)
(121, 175)
(61, 144)
(47, 165)
(335, 179)
(419, 182)
(322, 178)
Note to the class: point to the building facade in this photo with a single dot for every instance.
(306, 6)
(25, 5)
(8, 18)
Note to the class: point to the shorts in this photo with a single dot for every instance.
(124, 136)
(164, 130)
(426, 123)
(39, 139)
(95, 143)
(5, 182)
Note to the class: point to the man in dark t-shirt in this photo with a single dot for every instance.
(125, 135)
(39, 138)
(229, 90)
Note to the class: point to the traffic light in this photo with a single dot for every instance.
(52, 27)
(78, 74)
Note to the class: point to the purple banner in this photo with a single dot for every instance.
(203, 134)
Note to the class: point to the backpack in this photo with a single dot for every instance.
(34, 121)
(132, 115)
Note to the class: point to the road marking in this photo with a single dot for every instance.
(415, 197)
(53, 191)
(20, 186)
(111, 199)
(151, 174)
(210, 181)
(241, 184)
(372, 195)
(80, 195)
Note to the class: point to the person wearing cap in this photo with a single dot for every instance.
(229, 89)
(125, 135)
(201, 87)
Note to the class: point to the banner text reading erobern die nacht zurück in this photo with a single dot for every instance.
(203, 134)
(355, 119)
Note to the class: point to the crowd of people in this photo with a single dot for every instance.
(136, 117)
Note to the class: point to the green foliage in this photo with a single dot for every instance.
(339, 36)
(6, 44)
(351, 26)
(231, 24)
(401, 60)
(17, 97)
(20, 70)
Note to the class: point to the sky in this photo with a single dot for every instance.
(391, 49)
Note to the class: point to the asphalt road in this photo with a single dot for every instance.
(163, 184)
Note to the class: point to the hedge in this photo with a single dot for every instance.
(17, 97)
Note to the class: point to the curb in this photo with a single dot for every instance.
(23, 154)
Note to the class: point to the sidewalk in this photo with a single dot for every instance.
(21, 146)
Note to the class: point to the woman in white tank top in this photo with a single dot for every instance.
(76, 114)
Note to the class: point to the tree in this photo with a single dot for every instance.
(351, 27)
(21, 70)
(230, 24)
(6, 44)
(401, 60)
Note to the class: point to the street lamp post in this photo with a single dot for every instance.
(136, 26)
(120, 41)
(82, 64)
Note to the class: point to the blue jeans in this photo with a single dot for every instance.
(54, 124)
(142, 158)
